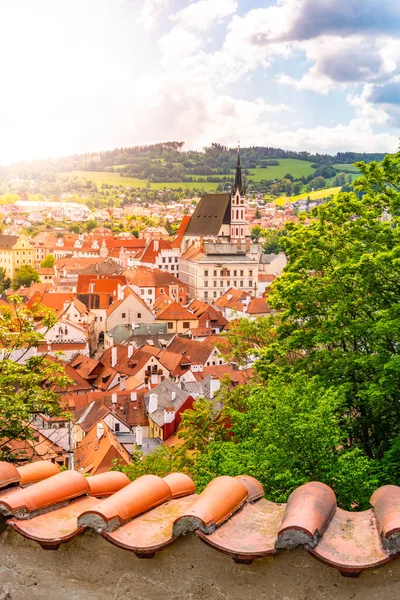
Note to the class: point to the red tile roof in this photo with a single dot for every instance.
(153, 249)
(230, 515)
(146, 277)
(258, 306)
(176, 312)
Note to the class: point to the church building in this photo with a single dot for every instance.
(217, 249)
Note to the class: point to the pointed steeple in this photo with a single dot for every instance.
(238, 176)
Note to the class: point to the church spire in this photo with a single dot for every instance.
(238, 176)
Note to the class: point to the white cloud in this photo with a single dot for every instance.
(205, 13)
(152, 10)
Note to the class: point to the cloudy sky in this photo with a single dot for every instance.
(86, 75)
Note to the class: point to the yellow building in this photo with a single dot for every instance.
(15, 252)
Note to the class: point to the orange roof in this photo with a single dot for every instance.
(183, 225)
(176, 312)
(258, 306)
(53, 300)
(102, 284)
(127, 292)
(95, 455)
(146, 277)
(153, 249)
(266, 277)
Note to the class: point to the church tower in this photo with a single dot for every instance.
(239, 227)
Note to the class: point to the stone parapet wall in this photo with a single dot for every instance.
(88, 567)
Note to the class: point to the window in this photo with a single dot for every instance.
(215, 273)
(170, 325)
(161, 290)
(163, 259)
(234, 273)
(250, 283)
(181, 290)
(215, 284)
(172, 267)
(221, 283)
(241, 284)
(227, 273)
(235, 284)
(206, 284)
(117, 427)
(139, 315)
(124, 315)
(142, 292)
(180, 299)
(176, 259)
(241, 273)
(206, 273)
(170, 260)
(250, 273)
(228, 283)
(101, 318)
(149, 292)
(215, 294)
(186, 324)
(205, 294)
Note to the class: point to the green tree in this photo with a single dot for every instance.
(90, 225)
(27, 382)
(5, 282)
(273, 240)
(285, 435)
(25, 276)
(339, 304)
(48, 262)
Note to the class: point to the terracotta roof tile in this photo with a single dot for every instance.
(230, 515)
(37, 471)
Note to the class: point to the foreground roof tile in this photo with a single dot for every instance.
(218, 501)
(9, 475)
(49, 493)
(386, 503)
(37, 471)
(308, 511)
(151, 531)
(141, 495)
(250, 533)
(56, 527)
(351, 543)
(106, 484)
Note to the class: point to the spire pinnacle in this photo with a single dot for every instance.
(238, 176)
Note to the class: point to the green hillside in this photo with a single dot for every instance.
(293, 166)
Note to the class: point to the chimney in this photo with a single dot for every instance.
(120, 292)
(130, 350)
(139, 435)
(114, 398)
(153, 402)
(114, 356)
(100, 430)
(156, 245)
(169, 415)
(173, 396)
(133, 396)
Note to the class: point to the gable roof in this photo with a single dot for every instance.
(213, 211)
(147, 277)
(176, 312)
(126, 294)
(258, 306)
(95, 455)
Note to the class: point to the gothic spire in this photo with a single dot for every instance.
(238, 176)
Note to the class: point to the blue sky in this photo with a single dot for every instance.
(86, 75)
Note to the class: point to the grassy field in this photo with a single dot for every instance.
(313, 195)
(296, 168)
(346, 167)
(99, 177)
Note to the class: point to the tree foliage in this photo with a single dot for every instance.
(27, 381)
(25, 276)
(48, 262)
